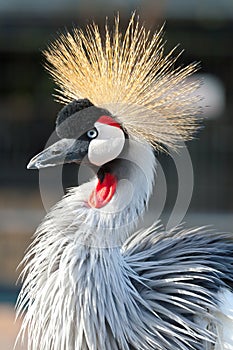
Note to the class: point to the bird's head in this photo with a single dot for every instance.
(127, 77)
(132, 86)
(84, 130)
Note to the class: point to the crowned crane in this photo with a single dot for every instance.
(91, 280)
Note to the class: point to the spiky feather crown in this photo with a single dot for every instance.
(129, 75)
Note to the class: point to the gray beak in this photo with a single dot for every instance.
(62, 151)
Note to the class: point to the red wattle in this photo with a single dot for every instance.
(103, 192)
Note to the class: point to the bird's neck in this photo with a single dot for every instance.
(106, 210)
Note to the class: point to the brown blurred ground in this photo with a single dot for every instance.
(20, 214)
(8, 328)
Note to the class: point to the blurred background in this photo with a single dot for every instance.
(27, 114)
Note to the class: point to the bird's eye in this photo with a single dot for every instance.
(92, 134)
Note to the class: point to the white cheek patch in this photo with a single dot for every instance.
(108, 144)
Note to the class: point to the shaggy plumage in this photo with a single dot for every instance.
(161, 290)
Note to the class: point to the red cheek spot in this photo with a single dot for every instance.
(103, 192)
(104, 119)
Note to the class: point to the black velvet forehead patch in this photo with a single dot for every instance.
(78, 117)
(71, 108)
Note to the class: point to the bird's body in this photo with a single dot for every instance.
(92, 283)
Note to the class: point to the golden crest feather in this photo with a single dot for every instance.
(128, 74)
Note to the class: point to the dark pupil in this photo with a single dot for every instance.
(91, 133)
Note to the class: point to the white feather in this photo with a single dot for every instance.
(225, 318)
